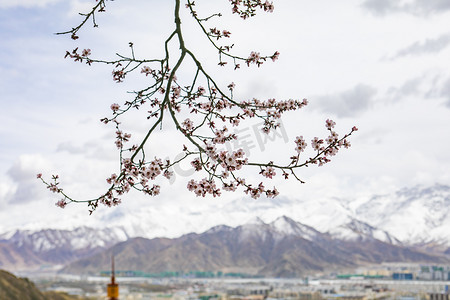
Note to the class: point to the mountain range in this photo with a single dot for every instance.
(282, 248)
(409, 225)
(415, 215)
(26, 249)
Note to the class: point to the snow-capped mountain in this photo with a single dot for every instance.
(358, 230)
(415, 215)
(411, 216)
(285, 226)
(277, 230)
(81, 238)
(252, 244)
(28, 250)
(282, 248)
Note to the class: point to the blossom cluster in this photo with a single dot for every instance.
(247, 8)
(256, 192)
(216, 33)
(121, 138)
(203, 187)
(256, 58)
(83, 57)
(244, 9)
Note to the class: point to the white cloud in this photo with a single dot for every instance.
(380, 7)
(415, 7)
(23, 174)
(349, 103)
(427, 86)
(428, 46)
(445, 92)
(26, 3)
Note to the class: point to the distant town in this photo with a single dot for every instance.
(402, 281)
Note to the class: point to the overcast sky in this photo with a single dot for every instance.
(381, 65)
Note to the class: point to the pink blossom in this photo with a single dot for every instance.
(53, 187)
(329, 124)
(119, 144)
(269, 172)
(332, 151)
(115, 107)
(235, 122)
(275, 56)
(176, 92)
(168, 174)
(112, 179)
(118, 75)
(86, 52)
(333, 138)
(268, 6)
(272, 193)
(211, 151)
(346, 144)
(203, 187)
(201, 90)
(300, 144)
(146, 70)
(196, 163)
(229, 187)
(316, 143)
(156, 189)
(206, 106)
(188, 124)
(61, 203)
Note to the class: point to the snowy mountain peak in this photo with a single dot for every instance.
(80, 238)
(416, 215)
(358, 230)
(420, 191)
(255, 221)
(219, 228)
(279, 229)
(288, 227)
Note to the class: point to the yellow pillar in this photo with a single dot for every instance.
(112, 288)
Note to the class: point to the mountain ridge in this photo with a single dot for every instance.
(259, 249)
(27, 250)
(388, 218)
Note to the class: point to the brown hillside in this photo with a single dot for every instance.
(14, 288)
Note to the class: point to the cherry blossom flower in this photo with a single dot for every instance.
(53, 187)
(269, 172)
(275, 56)
(146, 70)
(86, 52)
(115, 107)
(188, 124)
(316, 143)
(329, 124)
(301, 144)
(61, 203)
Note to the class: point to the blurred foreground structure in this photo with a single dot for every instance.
(113, 287)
